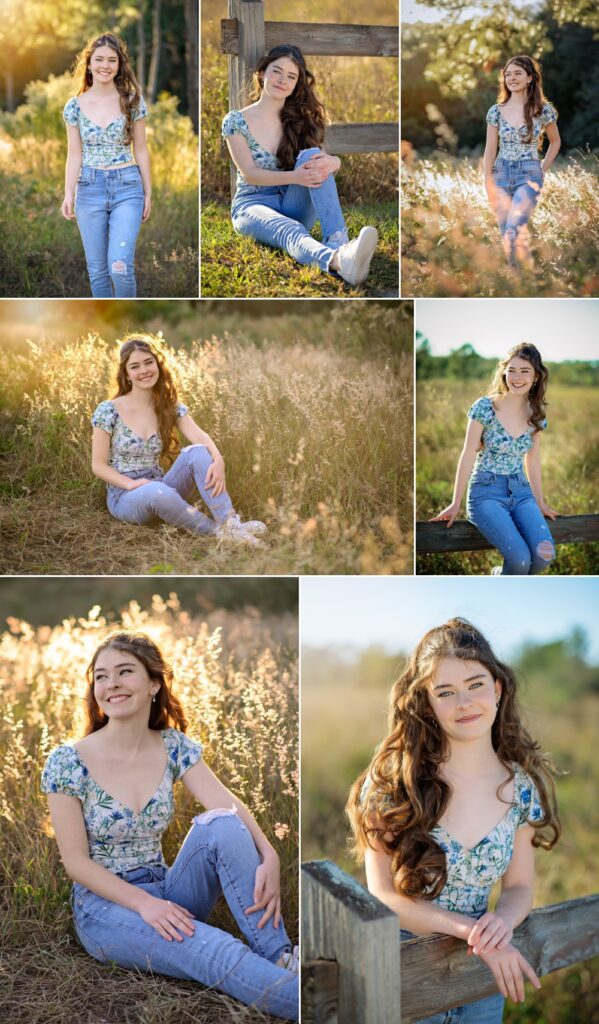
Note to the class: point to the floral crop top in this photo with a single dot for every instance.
(512, 141)
(235, 124)
(500, 453)
(129, 454)
(102, 147)
(119, 839)
(471, 873)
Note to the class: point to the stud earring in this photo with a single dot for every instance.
(498, 702)
(154, 699)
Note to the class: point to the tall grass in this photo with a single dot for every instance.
(451, 244)
(316, 437)
(241, 702)
(570, 467)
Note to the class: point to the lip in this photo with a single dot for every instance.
(281, 88)
(469, 718)
(114, 696)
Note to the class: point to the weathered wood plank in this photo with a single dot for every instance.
(463, 536)
(322, 39)
(249, 17)
(342, 921)
(381, 137)
(320, 992)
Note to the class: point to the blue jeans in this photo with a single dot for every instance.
(505, 511)
(218, 858)
(518, 185)
(283, 215)
(109, 207)
(167, 495)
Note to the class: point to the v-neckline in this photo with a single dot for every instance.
(518, 436)
(95, 123)
(263, 148)
(518, 129)
(471, 849)
(131, 431)
(136, 814)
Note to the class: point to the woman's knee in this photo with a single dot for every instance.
(306, 154)
(517, 563)
(220, 825)
(198, 455)
(543, 556)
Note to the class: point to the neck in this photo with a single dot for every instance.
(470, 758)
(103, 89)
(141, 398)
(269, 106)
(516, 400)
(130, 737)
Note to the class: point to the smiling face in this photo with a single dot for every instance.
(122, 685)
(519, 376)
(104, 64)
(463, 696)
(516, 79)
(142, 369)
(280, 78)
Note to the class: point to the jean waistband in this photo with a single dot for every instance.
(107, 172)
(144, 873)
(501, 161)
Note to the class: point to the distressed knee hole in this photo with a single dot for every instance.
(217, 812)
(118, 267)
(546, 550)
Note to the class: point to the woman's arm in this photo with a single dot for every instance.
(474, 433)
(532, 462)
(489, 159)
(254, 175)
(555, 142)
(73, 166)
(100, 467)
(215, 477)
(142, 156)
(213, 795)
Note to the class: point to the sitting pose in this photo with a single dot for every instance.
(136, 428)
(505, 503)
(104, 118)
(111, 798)
(285, 180)
(453, 801)
(514, 180)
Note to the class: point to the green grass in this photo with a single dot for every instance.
(234, 266)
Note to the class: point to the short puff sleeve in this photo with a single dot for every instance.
(482, 411)
(71, 111)
(548, 114)
(63, 772)
(104, 416)
(140, 111)
(233, 124)
(182, 410)
(493, 115)
(183, 752)
(530, 807)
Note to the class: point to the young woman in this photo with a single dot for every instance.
(111, 798)
(453, 801)
(505, 503)
(285, 180)
(514, 177)
(107, 187)
(137, 429)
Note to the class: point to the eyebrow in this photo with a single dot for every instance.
(448, 686)
(280, 68)
(123, 664)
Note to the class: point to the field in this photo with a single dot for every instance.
(353, 90)
(237, 676)
(307, 415)
(569, 460)
(343, 718)
(41, 253)
(451, 244)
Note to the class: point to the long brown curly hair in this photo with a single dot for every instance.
(164, 392)
(166, 710)
(302, 115)
(401, 796)
(536, 395)
(535, 97)
(125, 81)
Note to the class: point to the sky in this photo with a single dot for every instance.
(412, 11)
(560, 328)
(394, 611)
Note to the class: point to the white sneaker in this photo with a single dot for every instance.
(254, 526)
(234, 531)
(355, 256)
(290, 961)
(497, 570)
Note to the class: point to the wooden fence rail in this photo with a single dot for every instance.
(463, 536)
(356, 970)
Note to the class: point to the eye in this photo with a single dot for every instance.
(475, 685)
(445, 693)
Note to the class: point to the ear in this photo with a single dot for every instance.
(498, 689)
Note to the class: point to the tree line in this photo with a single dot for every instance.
(464, 362)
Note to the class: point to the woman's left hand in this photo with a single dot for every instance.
(267, 890)
(215, 477)
(147, 208)
(489, 932)
(324, 164)
(546, 509)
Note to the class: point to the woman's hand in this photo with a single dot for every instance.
(508, 967)
(324, 164)
(308, 175)
(166, 918)
(147, 208)
(68, 207)
(490, 932)
(133, 484)
(546, 509)
(215, 477)
(267, 890)
(450, 514)
(491, 191)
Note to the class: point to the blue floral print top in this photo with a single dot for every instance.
(512, 141)
(102, 147)
(119, 839)
(235, 124)
(129, 454)
(501, 453)
(471, 873)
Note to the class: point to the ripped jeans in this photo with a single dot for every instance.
(166, 497)
(505, 511)
(518, 185)
(283, 215)
(218, 858)
(109, 207)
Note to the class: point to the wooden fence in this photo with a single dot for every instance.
(355, 970)
(463, 536)
(246, 37)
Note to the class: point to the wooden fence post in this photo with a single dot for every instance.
(251, 46)
(341, 921)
